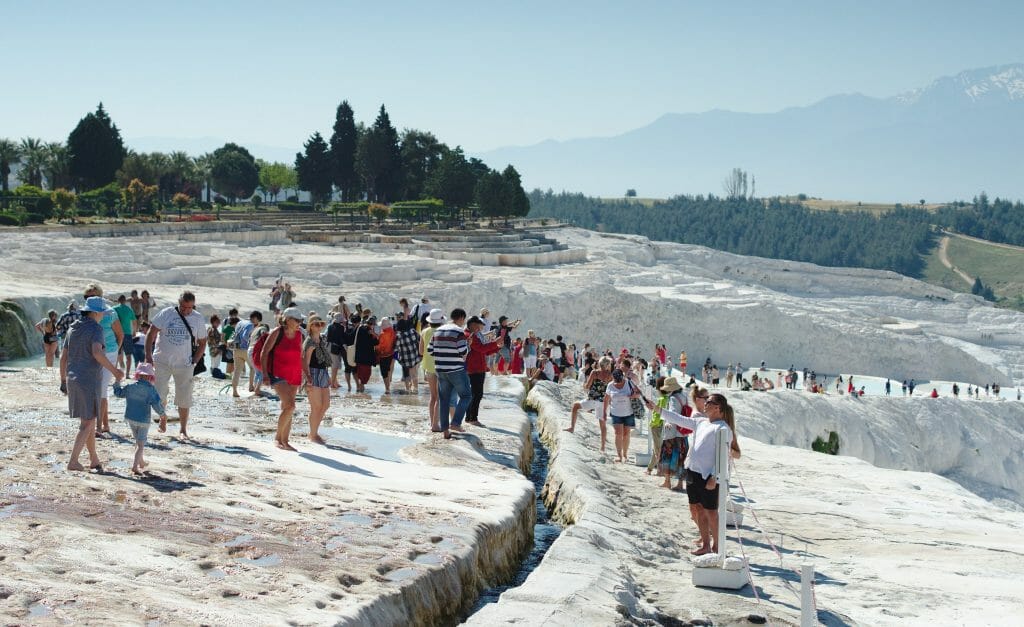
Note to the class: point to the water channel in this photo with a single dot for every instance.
(545, 530)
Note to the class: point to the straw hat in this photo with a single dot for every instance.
(670, 385)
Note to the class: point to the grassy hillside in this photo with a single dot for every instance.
(1000, 267)
(853, 205)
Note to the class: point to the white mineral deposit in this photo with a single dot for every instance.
(918, 520)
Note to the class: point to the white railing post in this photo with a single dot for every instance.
(808, 615)
(722, 451)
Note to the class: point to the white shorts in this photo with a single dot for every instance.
(108, 376)
(530, 361)
(595, 406)
(182, 384)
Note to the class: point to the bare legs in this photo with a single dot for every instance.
(621, 442)
(575, 411)
(435, 402)
(319, 401)
(86, 438)
(139, 464)
(51, 350)
(183, 415)
(284, 421)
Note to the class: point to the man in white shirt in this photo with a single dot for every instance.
(173, 348)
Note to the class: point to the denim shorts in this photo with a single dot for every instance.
(629, 421)
(140, 430)
(319, 378)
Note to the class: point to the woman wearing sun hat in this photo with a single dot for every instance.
(673, 448)
(282, 366)
(81, 365)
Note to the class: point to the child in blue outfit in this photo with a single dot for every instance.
(140, 397)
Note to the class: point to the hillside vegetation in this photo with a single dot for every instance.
(886, 237)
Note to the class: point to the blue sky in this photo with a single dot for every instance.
(482, 75)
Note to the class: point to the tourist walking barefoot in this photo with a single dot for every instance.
(595, 385)
(433, 320)
(140, 397)
(481, 345)
(81, 365)
(365, 341)
(407, 351)
(618, 403)
(386, 352)
(48, 327)
(282, 365)
(316, 361)
(176, 342)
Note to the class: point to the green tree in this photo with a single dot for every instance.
(421, 152)
(57, 165)
(10, 155)
(631, 193)
(490, 195)
(233, 172)
(452, 181)
(275, 177)
(33, 158)
(141, 166)
(96, 148)
(344, 142)
(516, 202)
(314, 168)
(204, 172)
(379, 159)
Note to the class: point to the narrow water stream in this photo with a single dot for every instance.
(545, 530)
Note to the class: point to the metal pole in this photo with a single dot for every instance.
(808, 617)
(722, 450)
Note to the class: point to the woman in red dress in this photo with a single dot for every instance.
(282, 365)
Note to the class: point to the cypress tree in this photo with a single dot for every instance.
(96, 150)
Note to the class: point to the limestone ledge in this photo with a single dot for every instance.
(582, 579)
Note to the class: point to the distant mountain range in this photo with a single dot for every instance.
(956, 137)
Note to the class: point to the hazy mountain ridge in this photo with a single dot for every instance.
(957, 136)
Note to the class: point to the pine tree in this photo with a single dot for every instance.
(379, 159)
(315, 168)
(344, 141)
(96, 150)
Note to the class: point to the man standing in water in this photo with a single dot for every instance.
(175, 342)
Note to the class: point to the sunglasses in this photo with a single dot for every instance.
(712, 403)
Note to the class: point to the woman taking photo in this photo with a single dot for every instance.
(713, 414)
(281, 363)
(316, 363)
(618, 402)
(81, 366)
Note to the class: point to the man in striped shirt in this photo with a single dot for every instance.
(449, 347)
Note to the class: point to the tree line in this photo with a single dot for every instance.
(997, 221)
(772, 228)
(374, 163)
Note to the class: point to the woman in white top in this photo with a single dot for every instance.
(617, 403)
(713, 414)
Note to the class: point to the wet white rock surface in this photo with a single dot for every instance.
(231, 527)
(890, 547)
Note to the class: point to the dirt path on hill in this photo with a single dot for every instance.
(943, 244)
(985, 241)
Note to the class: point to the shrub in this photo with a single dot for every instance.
(220, 200)
(100, 200)
(34, 218)
(200, 217)
(44, 206)
(295, 206)
(28, 190)
(292, 198)
(205, 206)
(7, 219)
(831, 447)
